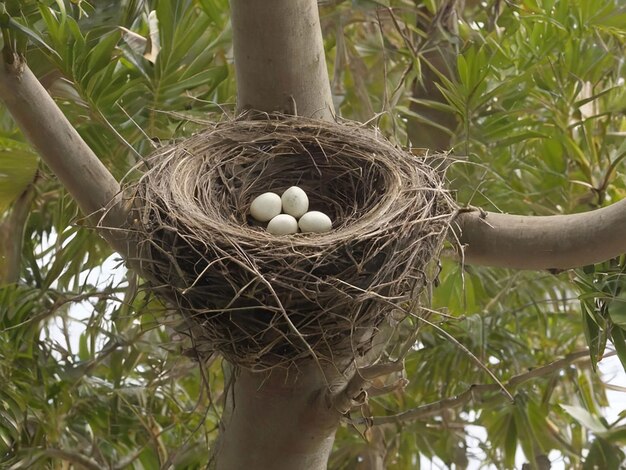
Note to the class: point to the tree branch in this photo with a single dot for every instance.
(64, 151)
(542, 242)
(273, 73)
(355, 391)
(474, 392)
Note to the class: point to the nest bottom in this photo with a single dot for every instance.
(263, 300)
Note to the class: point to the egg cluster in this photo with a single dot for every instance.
(288, 213)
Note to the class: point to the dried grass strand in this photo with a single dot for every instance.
(262, 300)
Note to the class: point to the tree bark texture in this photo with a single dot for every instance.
(284, 420)
(280, 421)
(542, 242)
(280, 63)
(61, 147)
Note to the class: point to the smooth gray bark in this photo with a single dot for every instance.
(64, 151)
(284, 420)
(279, 58)
(542, 242)
(280, 421)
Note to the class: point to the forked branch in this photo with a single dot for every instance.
(355, 391)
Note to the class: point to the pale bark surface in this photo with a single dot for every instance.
(61, 147)
(279, 58)
(542, 242)
(280, 421)
(284, 420)
(438, 57)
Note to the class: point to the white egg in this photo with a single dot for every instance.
(265, 207)
(295, 202)
(315, 221)
(282, 224)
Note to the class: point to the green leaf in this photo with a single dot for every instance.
(102, 54)
(18, 165)
(585, 418)
(510, 441)
(616, 435)
(593, 335)
(617, 310)
(33, 36)
(210, 77)
(214, 9)
(83, 348)
(370, 4)
(166, 14)
(455, 291)
(603, 455)
(619, 341)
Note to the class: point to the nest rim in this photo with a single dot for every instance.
(373, 224)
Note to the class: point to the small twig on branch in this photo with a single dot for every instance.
(386, 389)
(379, 370)
(355, 391)
(474, 392)
(451, 338)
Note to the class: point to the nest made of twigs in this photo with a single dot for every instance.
(263, 300)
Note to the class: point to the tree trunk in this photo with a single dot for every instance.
(434, 128)
(283, 419)
(279, 58)
(280, 421)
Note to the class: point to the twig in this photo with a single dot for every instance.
(451, 338)
(474, 392)
(355, 391)
(386, 389)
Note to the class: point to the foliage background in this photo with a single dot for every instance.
(529, 94)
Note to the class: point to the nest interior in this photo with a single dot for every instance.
(263, 300)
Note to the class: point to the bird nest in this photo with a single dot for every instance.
(263, 300)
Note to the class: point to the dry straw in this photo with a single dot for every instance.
(263, 300)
